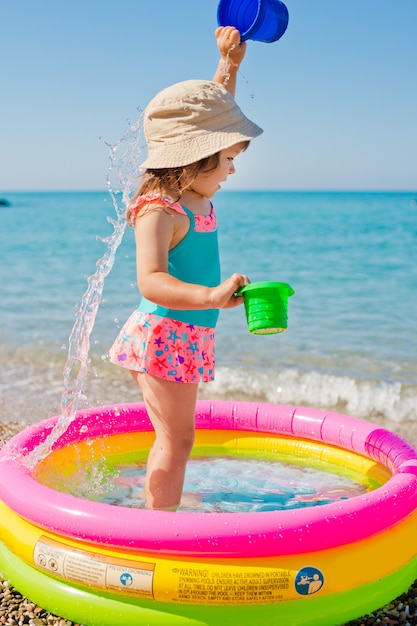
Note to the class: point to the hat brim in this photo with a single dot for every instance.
(183, 150)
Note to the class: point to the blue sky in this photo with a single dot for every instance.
(336, 96)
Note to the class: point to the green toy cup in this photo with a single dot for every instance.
(266, 306)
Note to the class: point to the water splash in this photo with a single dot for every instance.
(121, 183)
(225, 70)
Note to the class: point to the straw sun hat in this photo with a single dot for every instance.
(192, 120)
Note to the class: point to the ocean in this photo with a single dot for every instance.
(351, 342)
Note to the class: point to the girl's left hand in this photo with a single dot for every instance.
(223, 296)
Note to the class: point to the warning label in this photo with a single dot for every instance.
(171, 580)
(234, 587)
(94, 570)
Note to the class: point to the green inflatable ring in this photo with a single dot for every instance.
(93, 608)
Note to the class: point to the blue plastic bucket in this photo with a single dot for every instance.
(260, 20)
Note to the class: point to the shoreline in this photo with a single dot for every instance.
(17, 609)
(16, 408)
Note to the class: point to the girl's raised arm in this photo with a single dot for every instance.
(232, 51)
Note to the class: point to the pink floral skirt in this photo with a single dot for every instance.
(165, 348)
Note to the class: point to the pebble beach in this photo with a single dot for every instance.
(16, 610)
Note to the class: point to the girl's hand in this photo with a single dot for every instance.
(223, 296)
(231, 49)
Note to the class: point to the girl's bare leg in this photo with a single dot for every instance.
(171, 409)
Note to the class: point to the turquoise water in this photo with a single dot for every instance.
(219, 485)
(351, 341)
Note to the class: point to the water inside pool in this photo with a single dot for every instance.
(219, 484)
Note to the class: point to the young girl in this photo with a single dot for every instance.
(194, 130)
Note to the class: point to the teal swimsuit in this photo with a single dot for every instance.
(194, 260)
(177, 345)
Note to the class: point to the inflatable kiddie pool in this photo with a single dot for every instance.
(96, 563)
